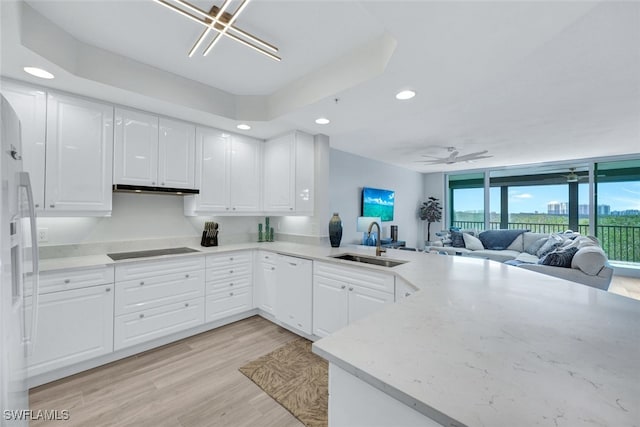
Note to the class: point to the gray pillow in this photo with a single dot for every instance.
(590, 260)
(550, 245)
(533, 248)
(559, 257)
(457, 240)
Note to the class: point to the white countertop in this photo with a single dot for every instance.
(483, 343)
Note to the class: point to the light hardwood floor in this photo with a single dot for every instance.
(626, 286)
(193, 382)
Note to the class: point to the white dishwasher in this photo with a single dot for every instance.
(294, 288)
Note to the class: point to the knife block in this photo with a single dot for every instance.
(208, 241)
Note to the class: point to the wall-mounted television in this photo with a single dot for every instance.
(378, 203)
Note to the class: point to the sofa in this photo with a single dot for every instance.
(568, 255)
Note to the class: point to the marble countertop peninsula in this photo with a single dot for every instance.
(482, 343)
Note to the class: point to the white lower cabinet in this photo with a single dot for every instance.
(342, 295)
(149, 324)
(229, 284)
(266, 282)
(294, 292)
(157, 298)
(73, 326)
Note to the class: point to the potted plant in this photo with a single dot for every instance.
(430, 211)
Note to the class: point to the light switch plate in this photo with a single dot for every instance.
(43, 235)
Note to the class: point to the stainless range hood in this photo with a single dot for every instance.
(121, 188)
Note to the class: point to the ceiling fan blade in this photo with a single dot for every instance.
(434, 157)
(434, 162)
(473, 156)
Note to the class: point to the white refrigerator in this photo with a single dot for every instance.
(19, 272)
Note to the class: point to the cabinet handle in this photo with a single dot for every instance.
(230, 294)
(231, 284)
(52, 206)
(350, 288)
(266, 257)
(343, 286)
(231, 259)
(186, 304)
(108, 290)
(231, 271)
(153, 183)
(67, 280)
(37, 205)
(406, 294)
(141, 283)
(293, 264)
(141, 315)
(186, 276)
(162, 183)
(290, 209)
(273, 268)
(227, 208)
(234, 209)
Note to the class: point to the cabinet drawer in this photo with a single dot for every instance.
(63, 280)
(146, 269)
(230, 284)
(73, 326)
(228, 259)
(137, 295)
(226, 273)
(356, 276)
(225, 303)
(135, 328)
(267, 257)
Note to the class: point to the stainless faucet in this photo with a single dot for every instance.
(379, 250)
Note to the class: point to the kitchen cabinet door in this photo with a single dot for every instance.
(176, 154)
(330, 309)
(79, 156)
(245, 173)
(135, 148)
(266, 286)
(289, 174)
(73, 326)
(294, 296)
(212, 172)
(364, 301)
(30, 104)
(279, 170)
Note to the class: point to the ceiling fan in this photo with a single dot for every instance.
(573, 176)
(454, 157)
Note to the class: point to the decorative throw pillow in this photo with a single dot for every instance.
(533, 248)
(457, 241)
(589, 260)
(550, 245)
(559, 257)
(472, 242)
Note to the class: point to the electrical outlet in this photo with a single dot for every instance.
(43, 235)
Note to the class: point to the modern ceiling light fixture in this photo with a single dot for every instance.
(323, 121)
(243, 126)
(38, 72)
(221, 23)
(405, 94)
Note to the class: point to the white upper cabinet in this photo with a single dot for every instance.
(176, 154)
(79, 154)
(228, 170)
(135, 148)
(288, 174)
(245, 163)
(30, 105)
(152, 151)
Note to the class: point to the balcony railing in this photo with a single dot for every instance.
(620, 242)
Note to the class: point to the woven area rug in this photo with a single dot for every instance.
(296, 378)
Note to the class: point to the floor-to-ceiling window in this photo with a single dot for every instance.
(556, 198)
(618, 209)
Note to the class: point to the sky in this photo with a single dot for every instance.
(620, 196)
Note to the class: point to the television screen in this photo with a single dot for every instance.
(379, 203)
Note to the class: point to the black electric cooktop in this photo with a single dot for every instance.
(155, 252)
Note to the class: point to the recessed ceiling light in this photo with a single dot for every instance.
(243, 126)
(323, 121)
(38, 72)
(405, 94)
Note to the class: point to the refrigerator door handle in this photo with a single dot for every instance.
(25, 182)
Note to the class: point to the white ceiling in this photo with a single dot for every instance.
(529, 81)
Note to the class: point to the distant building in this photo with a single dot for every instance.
(558, 208)
(583, 210)
(562, 208)
(604, 210)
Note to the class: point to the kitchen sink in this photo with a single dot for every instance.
(384, 262)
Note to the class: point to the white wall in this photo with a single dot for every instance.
(349, 173)
(143, 216)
